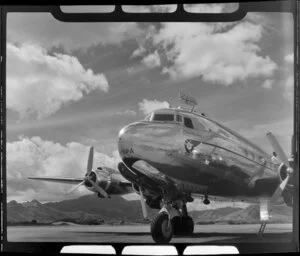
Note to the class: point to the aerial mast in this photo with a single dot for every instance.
(187, 100)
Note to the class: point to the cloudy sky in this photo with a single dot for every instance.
(71, 86)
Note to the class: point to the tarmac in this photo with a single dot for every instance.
(141, 234)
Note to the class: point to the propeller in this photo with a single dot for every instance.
(88, 178)
(99, 189)
(280, 156)
(75, 187)
(89, 167)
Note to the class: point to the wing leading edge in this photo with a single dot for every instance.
(58, 180)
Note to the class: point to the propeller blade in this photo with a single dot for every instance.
(90, 161)
(99, 189)
(277, 148)
(144, 209)
(74, 188)
(278, 192)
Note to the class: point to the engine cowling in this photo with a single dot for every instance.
(283, 172)
(100, 177)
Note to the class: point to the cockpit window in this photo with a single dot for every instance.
(178, 118)
(188, 123)
(163, 117)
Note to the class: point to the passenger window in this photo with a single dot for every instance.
(188, 123)
(179, 118)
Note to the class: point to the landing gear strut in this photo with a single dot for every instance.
(171, 221)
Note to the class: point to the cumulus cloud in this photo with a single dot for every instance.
(268, 84)
(147, 106)
(44, 29)
(37, 157)
(152, 60)
(40, 83)
(289, 58)
(126, 113)
(222, 53)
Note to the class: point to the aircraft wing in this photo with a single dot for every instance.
(58, 180)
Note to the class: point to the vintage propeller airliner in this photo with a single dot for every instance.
(175, 155)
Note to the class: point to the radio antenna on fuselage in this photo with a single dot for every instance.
(187, 100)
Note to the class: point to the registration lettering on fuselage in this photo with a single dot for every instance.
(127, 151)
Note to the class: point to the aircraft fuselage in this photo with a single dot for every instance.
(199, 155)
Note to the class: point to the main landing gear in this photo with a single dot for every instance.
(171, 220)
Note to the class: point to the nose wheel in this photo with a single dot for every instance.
(161, 228)
(166, 224)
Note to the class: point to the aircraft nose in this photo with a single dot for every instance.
(129, 138)
(124, 132)
(125, 141)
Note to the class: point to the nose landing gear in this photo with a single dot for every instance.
(161, 228)
(170, 221)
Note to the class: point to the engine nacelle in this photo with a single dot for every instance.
(100, 177)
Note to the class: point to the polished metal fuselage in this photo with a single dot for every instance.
(214, 161)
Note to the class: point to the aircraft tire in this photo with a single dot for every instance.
(176, 223)
(187, 225)
(160, 231)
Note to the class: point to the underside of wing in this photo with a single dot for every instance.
(58, 180)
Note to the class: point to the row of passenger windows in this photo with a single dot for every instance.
(169, 117)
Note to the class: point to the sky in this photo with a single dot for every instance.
(75, 85)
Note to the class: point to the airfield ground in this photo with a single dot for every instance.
(141, 234)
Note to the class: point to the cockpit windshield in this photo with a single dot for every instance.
(163, 117)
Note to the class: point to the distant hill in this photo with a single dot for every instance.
(34, 212)
(213, 215)
(249, 215)
(91, 210)
(84, 210)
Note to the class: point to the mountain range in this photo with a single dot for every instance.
(91, 210)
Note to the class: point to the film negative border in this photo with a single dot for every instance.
(179, 15)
